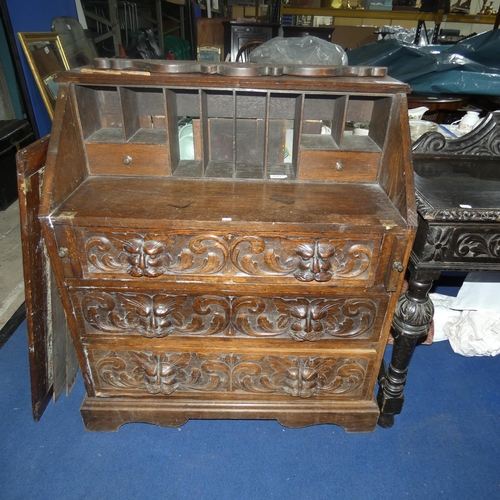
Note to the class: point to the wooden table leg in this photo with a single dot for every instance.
(412, 320)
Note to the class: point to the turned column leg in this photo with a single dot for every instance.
(412, 319)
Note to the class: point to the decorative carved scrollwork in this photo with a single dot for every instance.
(484, 140)
(253, 255)
(478, 245)
(152, 255)
(156, 315)
(449, 244)
(320, 261)
(307, 260)
(304, 319)
(166, 373)
(427, 211)
(160, 315)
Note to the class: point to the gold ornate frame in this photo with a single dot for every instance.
(46, 58)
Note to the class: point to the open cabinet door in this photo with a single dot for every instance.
(53, 364)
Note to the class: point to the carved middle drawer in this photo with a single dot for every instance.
(350, 259)
(237, 375)
(239, 312)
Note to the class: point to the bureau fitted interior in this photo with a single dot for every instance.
(237, 134)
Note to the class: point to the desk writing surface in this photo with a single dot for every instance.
(459, 183)
(159, 199)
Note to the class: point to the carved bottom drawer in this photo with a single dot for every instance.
(214, 373)
(242, 313)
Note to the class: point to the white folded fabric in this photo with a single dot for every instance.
(472, 322)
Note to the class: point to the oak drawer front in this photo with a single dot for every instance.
(128, 159)
(339, 166)
(153, 314)
(171, 373)
(348, 259)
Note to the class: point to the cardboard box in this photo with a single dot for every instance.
(247, 11)
(351, 37)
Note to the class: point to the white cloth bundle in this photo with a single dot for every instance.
(471, 321)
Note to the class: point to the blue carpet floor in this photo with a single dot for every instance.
(445, 445)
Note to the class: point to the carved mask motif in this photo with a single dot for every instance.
(146, 257)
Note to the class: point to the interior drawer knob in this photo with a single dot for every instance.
(127, 160)
(339, 165)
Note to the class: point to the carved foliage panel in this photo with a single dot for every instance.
(172, 373)
(153, 255)
(158, 315)
(461, 244)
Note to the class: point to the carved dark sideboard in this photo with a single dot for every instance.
(256, 278)
(457, 185)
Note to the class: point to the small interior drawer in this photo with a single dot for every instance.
(128, 159)
(340, 166)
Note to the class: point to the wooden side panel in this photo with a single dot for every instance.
(66, 158)
(89, 110)
(396, 174)
(398, 257)
(381, 118)
(64, 362)
(47, 330)
(30, 163)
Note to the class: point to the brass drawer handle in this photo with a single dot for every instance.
(63, 252)
(398, 266)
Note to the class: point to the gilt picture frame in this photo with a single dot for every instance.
(46, 58)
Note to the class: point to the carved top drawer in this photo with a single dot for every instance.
(349, 259)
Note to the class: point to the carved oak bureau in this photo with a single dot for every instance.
(251, 271)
